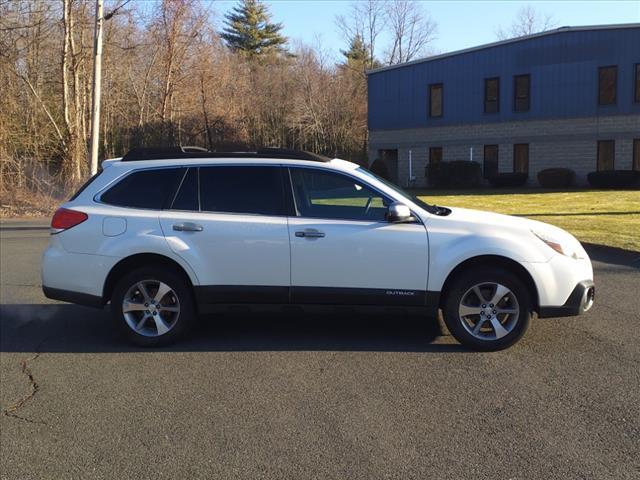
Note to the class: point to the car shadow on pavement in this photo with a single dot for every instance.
(614, 256)
(71, 328)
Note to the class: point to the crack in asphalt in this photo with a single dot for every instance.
(11, 410)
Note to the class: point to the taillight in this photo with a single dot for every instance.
(64, 219)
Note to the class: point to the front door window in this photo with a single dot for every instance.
(321, 194)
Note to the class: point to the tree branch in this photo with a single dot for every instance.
(42, 104)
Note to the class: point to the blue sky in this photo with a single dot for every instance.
(461, 24)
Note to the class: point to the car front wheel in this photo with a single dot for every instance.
(487, 309)
(153, 305)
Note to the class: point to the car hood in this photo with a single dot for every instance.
(481, 217)
(496, 224)
(484, 218)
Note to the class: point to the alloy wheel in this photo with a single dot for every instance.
(489, 311)
(151, 308)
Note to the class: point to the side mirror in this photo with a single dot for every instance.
(399, 213)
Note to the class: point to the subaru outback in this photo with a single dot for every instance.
(162, 236)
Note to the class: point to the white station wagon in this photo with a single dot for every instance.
(163, 235)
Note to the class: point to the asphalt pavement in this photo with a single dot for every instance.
(297, 397)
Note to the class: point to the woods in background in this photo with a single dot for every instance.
(174, 74)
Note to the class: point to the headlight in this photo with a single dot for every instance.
(558, 245)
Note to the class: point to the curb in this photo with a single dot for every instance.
(11, 228)
(24, 224)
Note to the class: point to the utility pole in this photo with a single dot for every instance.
(97, 83)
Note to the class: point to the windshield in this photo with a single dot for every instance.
(428, 207)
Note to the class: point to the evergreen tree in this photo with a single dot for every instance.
(249, 30)
(357, 57)
(357, 53)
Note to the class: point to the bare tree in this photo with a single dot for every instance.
(30, 129)
(176, 29)
(527, 22)
(366, 20)
(167, 78)
(75, 151)
(412, 31)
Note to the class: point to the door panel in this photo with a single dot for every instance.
(343, 251)
(358, 262)
(231, 249)
(236, 238)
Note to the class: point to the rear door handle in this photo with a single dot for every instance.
(187, 227)
(310, 234)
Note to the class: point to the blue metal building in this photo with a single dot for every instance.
(568, 97)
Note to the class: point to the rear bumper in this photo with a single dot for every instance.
(73, 297)
(580, 301)
(75, 275)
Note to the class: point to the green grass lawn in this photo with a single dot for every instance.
(605, 217)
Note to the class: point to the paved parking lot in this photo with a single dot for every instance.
(291, 397)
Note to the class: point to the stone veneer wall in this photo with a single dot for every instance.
(570, 143)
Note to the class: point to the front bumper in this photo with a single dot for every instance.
(580, 301)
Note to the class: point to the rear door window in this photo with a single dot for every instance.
(152, 189)
(188, 197)
(242, 189)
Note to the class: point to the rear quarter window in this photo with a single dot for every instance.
(85, 185)
(152, 189)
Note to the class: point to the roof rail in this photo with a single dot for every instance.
(297, 154)
(187, 148)
(166, 153)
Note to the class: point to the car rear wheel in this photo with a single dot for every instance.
(487, 309)
(154, 306)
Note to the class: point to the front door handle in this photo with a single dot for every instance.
(309, 233)
(187, 227)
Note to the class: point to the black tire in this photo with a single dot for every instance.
(487, 275)
(181, 293)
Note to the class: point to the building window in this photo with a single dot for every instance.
(521, 93)
(607, 79)
(491, 95)
(637, 85)
(606, 155)
(521, 158)
(435, 100)
(636, 154)
(435, 155)
(490, 166)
